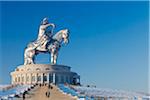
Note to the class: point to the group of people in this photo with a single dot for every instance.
(48, 92)
(26, 92)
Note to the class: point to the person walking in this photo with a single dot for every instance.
(23, 96)
(47, 93)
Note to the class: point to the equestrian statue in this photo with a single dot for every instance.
(47, 42)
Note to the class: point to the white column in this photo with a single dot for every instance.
(35, 77)
(17, 79)
(25, 78)
(12, 79)
(41, 78)
(21, 81)
(47, 77)
(54, 78)
(30, 78)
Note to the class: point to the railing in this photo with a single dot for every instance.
(67, 90)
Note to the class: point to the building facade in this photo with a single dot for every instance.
(44, 73)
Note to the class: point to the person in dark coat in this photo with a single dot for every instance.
(23, 96)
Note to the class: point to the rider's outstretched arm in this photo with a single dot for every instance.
(50, 24)
(45, 26)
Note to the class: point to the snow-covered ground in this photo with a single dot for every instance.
(93, 93)
(9, 91)
(4, 86)
(85, 93)
(110, 93)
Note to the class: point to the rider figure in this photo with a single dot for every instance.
(42, 37)
(44, 25)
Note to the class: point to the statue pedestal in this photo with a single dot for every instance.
(44, 73)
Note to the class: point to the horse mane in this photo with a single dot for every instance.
(55, 36)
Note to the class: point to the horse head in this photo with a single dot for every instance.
(62, 36)
(65, 35)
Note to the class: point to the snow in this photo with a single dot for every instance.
(90, 93)
(4, 86)
(6, 92)
(100, 92)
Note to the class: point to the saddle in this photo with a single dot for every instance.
(40, 44)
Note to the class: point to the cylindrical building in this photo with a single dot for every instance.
(44, 73)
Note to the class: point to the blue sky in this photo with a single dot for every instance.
(108, 40)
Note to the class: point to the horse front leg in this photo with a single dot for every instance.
(31, 61)
(26, 56)
(52, 58)
(25, 61)
(29, 56)
(55, 57)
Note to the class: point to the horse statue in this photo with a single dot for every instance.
(46, 43)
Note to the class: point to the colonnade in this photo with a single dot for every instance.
(32, 78)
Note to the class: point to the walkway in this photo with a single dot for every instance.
(55, 94)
